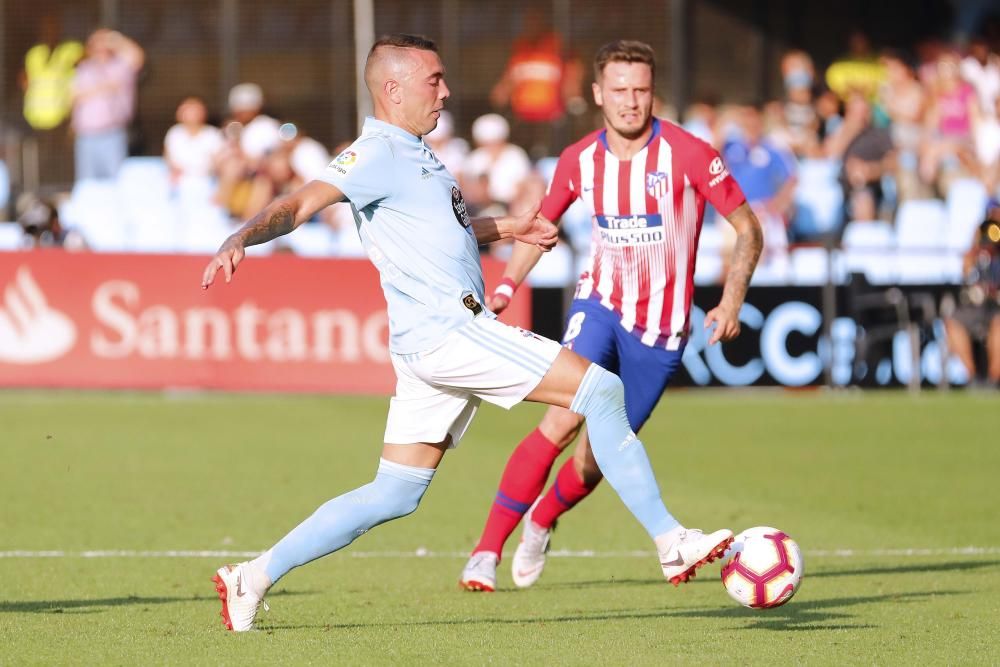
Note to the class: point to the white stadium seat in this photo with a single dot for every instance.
(921, 242)
(966, 206)
(810, 266)
(11, 236)
(819, 198)
(94, 211)
(869, 248)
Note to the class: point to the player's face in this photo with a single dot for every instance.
(424, 92)
(625, 94)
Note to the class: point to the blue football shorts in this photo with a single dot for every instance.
(594, 332)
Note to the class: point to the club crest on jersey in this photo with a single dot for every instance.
(656, 184)
(459, 207)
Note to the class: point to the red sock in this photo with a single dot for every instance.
(523, 480)
(563, 495)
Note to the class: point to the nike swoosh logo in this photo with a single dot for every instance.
(672, 563)
(239, 586)
(588, 189)
(525, 573)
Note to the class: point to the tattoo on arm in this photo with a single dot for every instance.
(268, 224)
(487, 230)
(749, 245)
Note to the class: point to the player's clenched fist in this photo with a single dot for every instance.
(228, 258)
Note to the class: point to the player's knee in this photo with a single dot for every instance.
(599, 392)
(609, 388)
(396, 498)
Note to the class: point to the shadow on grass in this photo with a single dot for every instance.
(805, 615)
(952, 566)
(909, 568)
(90, 606)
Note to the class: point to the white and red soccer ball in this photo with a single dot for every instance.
(764, 568)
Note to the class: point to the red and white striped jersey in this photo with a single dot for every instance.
(647, 214)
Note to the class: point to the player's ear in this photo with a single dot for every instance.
(391, 88)
(598, 98)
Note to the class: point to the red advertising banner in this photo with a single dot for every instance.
(285, 323)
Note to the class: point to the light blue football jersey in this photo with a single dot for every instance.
(413, 223)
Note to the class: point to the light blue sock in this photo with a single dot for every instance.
(395, 492)
(618, 452)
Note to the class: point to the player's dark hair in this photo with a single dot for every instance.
(624, 51)
(404, 41)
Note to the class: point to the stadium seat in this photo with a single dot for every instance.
(4, 188)
(773, 271)
(11, 236)
(869, 248)
(810, 266)
(921, 248)
(708, 267)
(819, 199)
(143, 189)
(966, 204)
(93, 210)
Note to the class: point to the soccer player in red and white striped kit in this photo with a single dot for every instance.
(646, 182)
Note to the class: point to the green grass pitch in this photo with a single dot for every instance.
(883, 492)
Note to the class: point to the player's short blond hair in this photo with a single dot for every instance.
(624, 51)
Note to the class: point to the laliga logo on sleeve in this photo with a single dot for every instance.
(343, 162)
(31, 332)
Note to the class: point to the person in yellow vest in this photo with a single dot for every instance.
(47, 78)
(858, 71)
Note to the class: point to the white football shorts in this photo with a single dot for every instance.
(438, 391)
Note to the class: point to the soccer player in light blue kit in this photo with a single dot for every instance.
(449, 352)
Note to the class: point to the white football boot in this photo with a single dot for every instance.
(529, 558)
(480, 573)
(684, 550)
(239, 602)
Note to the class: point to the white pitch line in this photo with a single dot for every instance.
(425, 553)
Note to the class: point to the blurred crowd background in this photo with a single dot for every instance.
(866, 137)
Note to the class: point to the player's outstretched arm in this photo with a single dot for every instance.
(280, 217)
(749, 243)
(528, 227)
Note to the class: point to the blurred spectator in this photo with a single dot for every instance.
(47, 77)
(798, 75)
(700, 120)
(295, 161)
(952, 112)
(766, 172)
(103, 103)
(977, 319)
(856, 71)
(42, 229)
(191, 146)
(503, 164)
(451, 151)
(4, 189)
(249, 135)
(540, 80)
(902, 100)
(828, 111)
(867, 154)
(984, 162)
(981, 68)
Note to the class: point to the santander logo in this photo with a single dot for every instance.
(31, 331)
